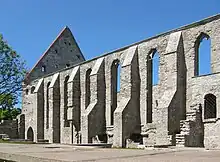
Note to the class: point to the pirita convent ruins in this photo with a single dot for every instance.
(70, 100)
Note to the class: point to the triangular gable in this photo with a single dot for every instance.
(63, 51)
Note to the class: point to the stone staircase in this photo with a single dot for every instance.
(185, 126)
(184, 130)
(180, 140)
(188, 127)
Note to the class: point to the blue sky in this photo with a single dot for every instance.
(99, 26)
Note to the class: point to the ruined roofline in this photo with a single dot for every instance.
(197, 23)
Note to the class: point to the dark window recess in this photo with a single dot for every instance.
(47, 105)
(115, 87)
(69, 44)
(66, 122)
(88, 90)
(32, 89)
(56, 66)
(43, 68)
(26, 92)
(209, 106)
(56, 51)
(67, 65)
(78, 56)
(64, 42)
(71, 50)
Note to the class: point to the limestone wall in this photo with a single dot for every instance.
(63, 52)
(88, 107)
(9, 127)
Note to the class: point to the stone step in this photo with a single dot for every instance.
(180, 142)
(179, 138)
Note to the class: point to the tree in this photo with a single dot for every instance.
(12, 73)
(9, 114)
(7, 101)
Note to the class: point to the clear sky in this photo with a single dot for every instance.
(99, 26)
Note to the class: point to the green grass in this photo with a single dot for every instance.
(16, 142)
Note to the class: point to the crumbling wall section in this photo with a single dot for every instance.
(192, 129)
(21, 126)
(9, 127)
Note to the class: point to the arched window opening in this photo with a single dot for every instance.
(30, 134)
(26, 91)
(115, 87)
(88, 90)
(153, 63)
(118, 77)
(203, 55)
(155, 67)
(66, 122)
(32, 89)
(209, 106)
(47, 106)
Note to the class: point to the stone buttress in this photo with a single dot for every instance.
(127, 113)
(54, 109)
(93, 116)
(74, 112)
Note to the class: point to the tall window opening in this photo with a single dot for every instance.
(118, 77)
(153, 63)
(66, 123)
(115, 87)
(88, 90)
(47, 106)
(26, 91)
(203, 55)
(209, 106)
(155, 67)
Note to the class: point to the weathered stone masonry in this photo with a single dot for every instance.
(80, 103)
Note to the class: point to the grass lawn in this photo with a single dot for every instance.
(16, 142)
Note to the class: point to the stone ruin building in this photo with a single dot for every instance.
(67, 99)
